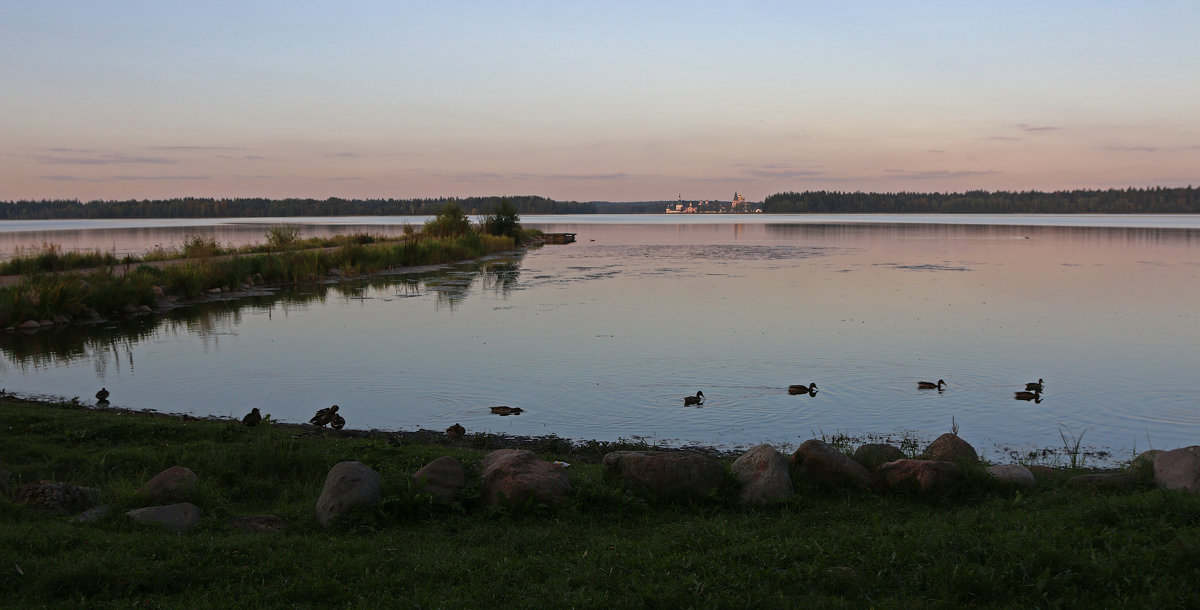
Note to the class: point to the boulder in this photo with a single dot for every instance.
(174, 517)
(56, 497)
(443, 478)
(874, 455)
(1013, 473)
(822, 464)
(1178, 469)
(1111, 481)
(175, 483)
(922, 476)
(1046, 473)
(93, 514)
(516, 475)
(348, 484)
(1143, 464)
(763, 476)
(950, 448)
(670, 475)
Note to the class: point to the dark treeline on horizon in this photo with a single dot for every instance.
(198, 207)
(1156, 200)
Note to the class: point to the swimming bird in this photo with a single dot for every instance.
(810, 389)
(1034, 396)
(698, 399)
(1035, 387)
(102, 395)
(252, 418)
(929, 385)
(507, 410)
(456, 431)
(337, 422)
(323, 416)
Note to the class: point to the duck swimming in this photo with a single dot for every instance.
(810, 389)
(1034, 396)
(324, 416)
(698, 399)
(252, 418)
(507, 410)
(1035, 387)
(929, 385)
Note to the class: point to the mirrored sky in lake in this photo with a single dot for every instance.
(602, 338)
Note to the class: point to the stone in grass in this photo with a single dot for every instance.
(822, 464)
(922, 476)
(1143, 464)
(174, 517)
(950, 448)
(517, 476)
(348, 485)
(1013, 473)
(57, 497)
(175, 483)
(1111, 481)
(763, 476)
(874, 455)
(1178, 469)
(92, 515)
(442, 478)
(668, 475)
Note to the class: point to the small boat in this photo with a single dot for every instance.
(929, 385)
(810, 389)
(698, 399)
(507, 410)
(252, 418)
(324, 416)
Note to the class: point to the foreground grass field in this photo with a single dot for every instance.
(986, 547)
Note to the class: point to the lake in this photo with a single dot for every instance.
(602, 339)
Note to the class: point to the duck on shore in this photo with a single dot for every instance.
(337, 422)
(252, 418)
(698, 399)
(929, 385)
(810, 389)
(325, 416)
(102, 395)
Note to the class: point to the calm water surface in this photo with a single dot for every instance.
(603, 338)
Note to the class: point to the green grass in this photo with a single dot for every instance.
(988, 547)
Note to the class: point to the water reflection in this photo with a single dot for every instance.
(112, 343)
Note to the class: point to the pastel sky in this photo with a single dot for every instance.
(587, 101)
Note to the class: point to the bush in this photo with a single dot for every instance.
(503, 220)
(282, 236)
(450, 221)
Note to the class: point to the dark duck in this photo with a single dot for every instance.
(325, 416)
(698, 399)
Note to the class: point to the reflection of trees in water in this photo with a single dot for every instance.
(111, 344)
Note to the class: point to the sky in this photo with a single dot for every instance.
(593, 101)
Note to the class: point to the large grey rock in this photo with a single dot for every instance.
(175, 483)
(443, 478)
(515, 476)
(348, 484)
(874, 455)
(670, 475)
(818, 462)
(175, 517)
(1013, 473)
(1178, 469)
(57, 497)
(763, 475)
(950, 448)
(1112, 481)
(1143, 464)
(923, 476)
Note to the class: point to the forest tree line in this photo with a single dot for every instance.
(1157, 200)
(198, 207)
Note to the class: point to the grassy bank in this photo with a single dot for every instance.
(41, 295)
(1056, 546)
